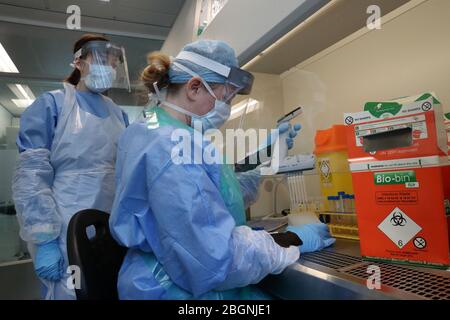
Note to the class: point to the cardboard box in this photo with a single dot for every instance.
(398, 156)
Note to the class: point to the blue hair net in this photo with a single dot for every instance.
(215, 50)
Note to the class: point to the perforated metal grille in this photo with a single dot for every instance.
(420, 283)
(423, 284)
(331, 259)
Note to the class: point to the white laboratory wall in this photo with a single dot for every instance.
(5, 121)
(15, 122)
(7, 162)
(183, 30)
(409, 55)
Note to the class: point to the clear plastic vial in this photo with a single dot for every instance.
(341, 206)
(352, 203)
(332, 203)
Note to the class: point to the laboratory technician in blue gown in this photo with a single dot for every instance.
(184, 221)
(67, 152)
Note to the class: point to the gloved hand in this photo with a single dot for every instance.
(315, 236)
(283, 128)
(49, 262)
(293, 131)
(286, 239)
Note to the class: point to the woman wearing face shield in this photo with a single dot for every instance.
(67, 143)
(183, 222)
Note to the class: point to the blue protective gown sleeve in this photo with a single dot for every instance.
(249, 182)
(255, 255)
(38, 123)
(177, 212)
(33, 177)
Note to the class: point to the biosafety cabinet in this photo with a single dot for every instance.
(389, 88)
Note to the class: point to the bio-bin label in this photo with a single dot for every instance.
(399, 227)
(395, 177)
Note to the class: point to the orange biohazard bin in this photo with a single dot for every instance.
(398, 156)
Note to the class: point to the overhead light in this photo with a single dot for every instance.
(22, 91)
(6, 64)
(22, 103)
(24, 95)
(250, 104)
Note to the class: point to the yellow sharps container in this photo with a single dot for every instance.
(332, 162)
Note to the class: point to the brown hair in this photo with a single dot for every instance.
(156, 71)
(75, 76)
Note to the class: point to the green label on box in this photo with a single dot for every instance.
(397, 177)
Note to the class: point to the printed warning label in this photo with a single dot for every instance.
(399, 227)
(397, 197)
(325, 171)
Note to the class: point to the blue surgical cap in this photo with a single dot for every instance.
(215, 50)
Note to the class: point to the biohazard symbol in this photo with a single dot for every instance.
(398, 220)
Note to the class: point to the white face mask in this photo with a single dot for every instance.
(100, 77)
(214, 119)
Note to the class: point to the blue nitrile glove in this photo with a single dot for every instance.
(293, 131)
(49, 262)
(315, 236)
(283, 128)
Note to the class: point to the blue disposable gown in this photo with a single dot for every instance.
(180, 224)
(67, 143)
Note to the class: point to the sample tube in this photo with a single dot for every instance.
(341, 201)
(352, 202)
(332, 203)
(347, 203)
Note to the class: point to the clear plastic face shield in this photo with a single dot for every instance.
(106, 64)
(238, 81)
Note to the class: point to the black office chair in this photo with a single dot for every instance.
(98, 258)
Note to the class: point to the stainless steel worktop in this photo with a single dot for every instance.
(340, 273)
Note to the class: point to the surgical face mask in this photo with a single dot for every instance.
(100, 77)
(214, 119)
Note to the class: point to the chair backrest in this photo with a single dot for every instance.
(99, 257)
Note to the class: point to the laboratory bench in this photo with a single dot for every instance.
(340, 273)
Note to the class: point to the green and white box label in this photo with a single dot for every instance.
(408, 178)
